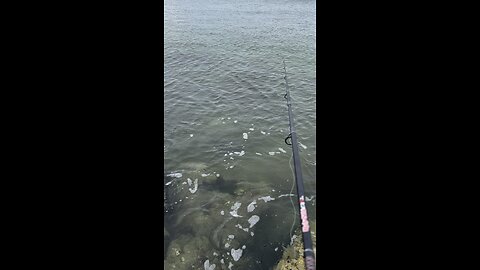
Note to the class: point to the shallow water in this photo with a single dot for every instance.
(224, 129)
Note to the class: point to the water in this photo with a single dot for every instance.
(225, 120)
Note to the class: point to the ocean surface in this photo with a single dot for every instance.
(229, 198)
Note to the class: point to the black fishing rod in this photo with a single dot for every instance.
(307, 237)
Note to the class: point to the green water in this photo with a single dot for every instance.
(223, 79)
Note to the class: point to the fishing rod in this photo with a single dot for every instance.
(307, 237)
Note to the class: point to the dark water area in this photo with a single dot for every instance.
(229, 194)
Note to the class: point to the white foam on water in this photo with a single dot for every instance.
(218, 175)
(230, 154)
(231, 167)
(241, 228)
(284, 195)
(168, 183)
(235, 208)
(236, 254)
(276, 249)
(259, 154)
(293, 238)
(277, 152)
(231, 158)
(177, 175)
(191, 135)
(222, 212)
(245, 136)
(231, 236)
(263, 132)
(215, 253)
(205, 174)
(253, 220)
(195, 187)
(281, 149)
(189, 181)
(230, 265)
(235, 121)
(227, 245)
(302, 145)
(271, 153)
(223, 262)
(244, 247)
(307, 199)
(252, 234)
(251, 206)
(252, 129)
(207, 265)
(236, 205)
(266, 198)
(229, 118)
(184, 183)
(223, 122)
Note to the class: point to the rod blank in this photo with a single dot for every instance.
(307, 237)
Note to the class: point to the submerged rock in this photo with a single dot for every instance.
(239, 191)
(202, 224)
(185, 253)
(209, 179)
